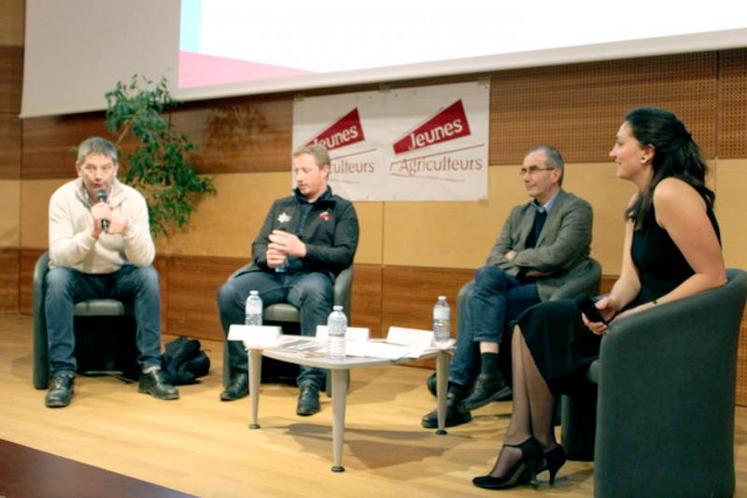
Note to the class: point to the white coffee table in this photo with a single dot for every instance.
(340, 370)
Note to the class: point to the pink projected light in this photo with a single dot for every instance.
(204, 70)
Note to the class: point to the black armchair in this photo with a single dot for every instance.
(92, 317)
(665, 409)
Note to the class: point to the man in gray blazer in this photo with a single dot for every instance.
(543, 244)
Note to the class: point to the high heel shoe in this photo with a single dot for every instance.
(554, 459)
(523, 471)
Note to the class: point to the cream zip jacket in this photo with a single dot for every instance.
(71, 243)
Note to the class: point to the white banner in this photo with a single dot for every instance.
(413, 144)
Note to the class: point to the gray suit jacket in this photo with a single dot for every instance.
(562, 248)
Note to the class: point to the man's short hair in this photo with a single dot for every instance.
(97, 145)
(554, 158)
(320, 154)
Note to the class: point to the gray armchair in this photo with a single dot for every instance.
(94, 316)
(665, 409)
(281, 313)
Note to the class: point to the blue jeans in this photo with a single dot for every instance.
(136, 284)
(311, 293)
(490, 305)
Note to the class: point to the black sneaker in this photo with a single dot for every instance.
(154, 384)
(61, 391)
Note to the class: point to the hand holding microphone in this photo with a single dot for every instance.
(107, 219)
(102, 198)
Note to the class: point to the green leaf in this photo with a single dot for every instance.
(158, 167)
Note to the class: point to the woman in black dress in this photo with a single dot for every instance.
(672, 250)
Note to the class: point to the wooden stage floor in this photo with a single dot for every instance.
(200, 446)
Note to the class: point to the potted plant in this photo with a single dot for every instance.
(159, 166)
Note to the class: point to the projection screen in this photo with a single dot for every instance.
(76, 50)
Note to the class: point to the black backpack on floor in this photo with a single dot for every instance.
(184, 361)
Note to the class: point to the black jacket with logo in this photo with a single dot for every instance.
(330, 232)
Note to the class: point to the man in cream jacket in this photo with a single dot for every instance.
(100, 247)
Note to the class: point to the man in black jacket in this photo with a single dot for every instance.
(306, 241)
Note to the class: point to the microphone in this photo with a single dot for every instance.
(102, 198)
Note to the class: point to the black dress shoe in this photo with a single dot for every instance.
(454, 396)
(237, 389)
(61, 391)
(154, 384)
(524, 471)
(308, 400)
(453, 417)
(554, 459)
(432, 384)
(487, 388)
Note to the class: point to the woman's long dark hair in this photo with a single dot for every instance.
(675, 155)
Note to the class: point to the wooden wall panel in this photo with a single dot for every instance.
(48, 143)
(731, 205)
(741, 381)
(579, 107)
(34, 216)
(233, 136)
(193, 283)
(10, 200)
(225, 225)
(192, 288)
(239, 135)
(11, 77)
(732, 112)
(161, 265)
(606, 284)
(27, 262)
(366, 300)
(12, 22)
(9, 270)
(409, 295)
(10, 146)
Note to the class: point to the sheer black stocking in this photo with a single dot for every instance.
(532, 407)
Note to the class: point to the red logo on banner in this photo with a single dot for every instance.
(449, 124)
(345, 131)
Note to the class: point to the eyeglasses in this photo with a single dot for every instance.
(532, 170)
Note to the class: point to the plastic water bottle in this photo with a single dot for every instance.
(282, 268)
(441, 323)
(253, 309)
(337, 325)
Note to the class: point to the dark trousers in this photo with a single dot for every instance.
(495, 300)
(311, 293)
(136, 284)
